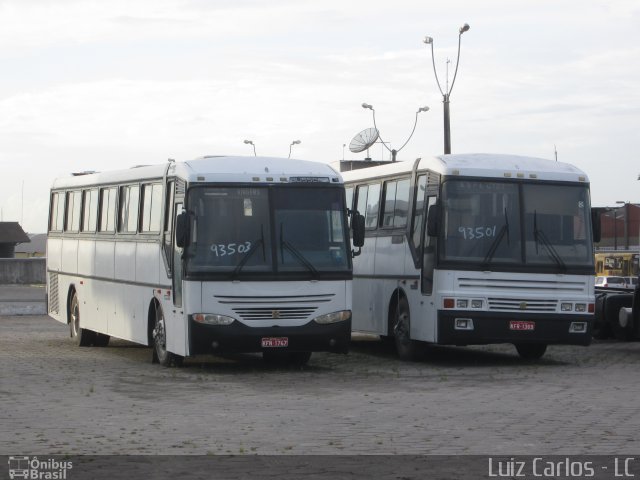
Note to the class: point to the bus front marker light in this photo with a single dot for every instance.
(213, 319)
(581, 307)
(333, 317)
(591, 308)
(578, 327)
(462, 303)
(449, 303)
(566, 307)
(463, 324)
(476, 303)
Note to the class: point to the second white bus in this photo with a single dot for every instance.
(474, 249)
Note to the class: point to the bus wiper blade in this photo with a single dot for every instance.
(296, 253)
(550, 249)
(494, 245)
(257, 243)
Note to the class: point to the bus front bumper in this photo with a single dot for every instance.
(480, 328)
(237, 337)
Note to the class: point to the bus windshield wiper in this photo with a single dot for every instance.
(540, 235)
(496, 242)
(257, 243)
(295, 252)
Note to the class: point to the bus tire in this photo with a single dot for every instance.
(101, 340)
(612, 307)
(82, 336)
(601, 329)
(159, 335)
(406, 348)
(531, 351)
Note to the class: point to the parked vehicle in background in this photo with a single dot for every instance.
(620, 264)
(610, 282)
(631, 282)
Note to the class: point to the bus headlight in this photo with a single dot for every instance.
(333, 317)
(213, 319)
(566, 307)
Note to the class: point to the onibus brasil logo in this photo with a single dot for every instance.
(32, 468)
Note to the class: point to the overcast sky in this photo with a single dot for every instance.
(98, 85)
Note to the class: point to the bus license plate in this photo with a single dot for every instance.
(522, 325)
(275, 342)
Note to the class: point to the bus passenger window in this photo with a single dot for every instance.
(89, 210)
(107, 209)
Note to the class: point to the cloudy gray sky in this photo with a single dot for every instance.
(97, 85)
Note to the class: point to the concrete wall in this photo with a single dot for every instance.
(22, 271)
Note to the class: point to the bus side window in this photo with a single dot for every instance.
(168, 221)
(56, 220)
(401, 208)
(361, 198)
(107, 209)
(373, 201)
(429, 257)
(73, 212)
(129, 200)
(349, 197)
(389, 204)
(418, 213)
(89, 210)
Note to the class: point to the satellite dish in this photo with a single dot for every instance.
(363, 140)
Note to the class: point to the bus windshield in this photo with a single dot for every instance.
(489, 224)
(239, 231)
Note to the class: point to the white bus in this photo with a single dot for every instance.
(474, 249)
(214, 255)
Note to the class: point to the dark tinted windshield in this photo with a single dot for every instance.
(508, 223)
(240, 231)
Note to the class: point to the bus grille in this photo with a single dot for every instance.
(528, 305)
(270, 308)
(285, 313)
(54, 303)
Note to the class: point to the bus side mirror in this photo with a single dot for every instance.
(182, 230)
(433, 220)
(357, 227)
(595, 225)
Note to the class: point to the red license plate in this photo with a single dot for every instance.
(275, 342)
(522, 325)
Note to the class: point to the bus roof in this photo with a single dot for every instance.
(229, 169)
(480, 165)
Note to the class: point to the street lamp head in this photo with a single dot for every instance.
(296, 142)
(248, 142)
(464, 28)
(428, 40)
(366, 105)
(423, 109)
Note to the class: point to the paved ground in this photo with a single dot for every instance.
(57, 398)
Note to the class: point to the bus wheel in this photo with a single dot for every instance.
(531, 351)
(82, 336)
(164, 357)
(407, 349)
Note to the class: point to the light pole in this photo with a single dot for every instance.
(447, 93)
(249, 142)
(394, 151)
(295, 142)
